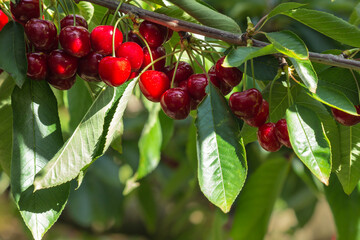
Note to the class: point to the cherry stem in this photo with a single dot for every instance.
(40, 9)
(191, 60)
(200, 65)
(73, 11)
(147, 46)
(356, 82)
(67, 8)
(105, 15)
(62, 7)
(262, 21)
(245, 76)
(117, 10)
(253, 71)
(175, 46)
(287, 72)
(114, 33)
(158, 59)
(176, 67)
(271, 88)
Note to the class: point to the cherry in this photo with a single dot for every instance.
(25, 10)
(175, 103)
(61, 83)
(231, 76)
(224, 88)
(169, 34)
(153, 33)
(37, 66)
(196, 85)
(53, 47)
(153, 84)
(246, 104)
(88, 67)
(133, 37)
(75, 40)
(69, 21)
(267, 137)
(61, 64)
(133, 75)
(101, 39)
(282, 133)
(183, 72)
(133, 52)
(261, 117)
(3, 20)
(41, 33)
(156, 53)
(114, 71)
(344, 118)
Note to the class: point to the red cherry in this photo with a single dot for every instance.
(261, 117)
(69, 21)
(153, 33)
(156, 53)
(344, 118)
(133, 37)
(53, 47)
(101, 39)
(183, 72)
(3, 19)
(133, 52)
(41, 33)
(196, 85)
(25, 10)
(224, 88)
(133, 75)
(175, 103)
(37, 66)
(169, 34)
(246, 104)
(231, 76)
(282, 133)
(75, 40)
(153, 84)
(61, 83)
(267, 137)
(114, 71)
(88, 68)
(61, 64)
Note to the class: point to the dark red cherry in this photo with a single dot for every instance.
(267, 137)
(246, 104)
(175, 103)
(25, 10)
(88, 68)
(114, 71)
(156, 53)
(153, 84)
(61, 64)
(261, 117)
(53, 47)
(101, 39)
(133, 52)
(153, 33)
(344, 118)
(41, 33)
(169, 34)
(75, 40)
(61, 83)
(282, 133)
(183, 72)
(37, 66)
(196, 85)
(231, 76)
(224, 88)
(3, 19)
(133, 37)
(69, 21)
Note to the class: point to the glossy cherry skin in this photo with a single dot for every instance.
(25, 10)
(345, 118)
(133, 52)
(114, 71)
(156, 53)
(196, 85)
(41, 33)
(231, 76)
(261, 117)
(267, 137)
(153, 33)
(282, 133)
(75, 40)
(246, 104)
(101, 39)
(133, 37)
(153, 84)
(224, 88)
(3, 20)
(37, 66)
(88, 68)
(69, 21)
(175, 103)
(61, 83)
(61, 64)
(183, 72)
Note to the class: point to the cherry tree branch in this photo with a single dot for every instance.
(236, 39)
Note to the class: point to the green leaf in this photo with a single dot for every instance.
(86, 9)
(306, 72)
(284, 7)
(327, 24)
(222, 163)
(176, 12)
(207, 16)
(355, 16)
(265, 67)
(289, 44)
(255, 203)
(148, 205)
(37, 137)
(12, 51)
(309, 141)
(158, 2)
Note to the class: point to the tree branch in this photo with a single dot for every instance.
(180, 25)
